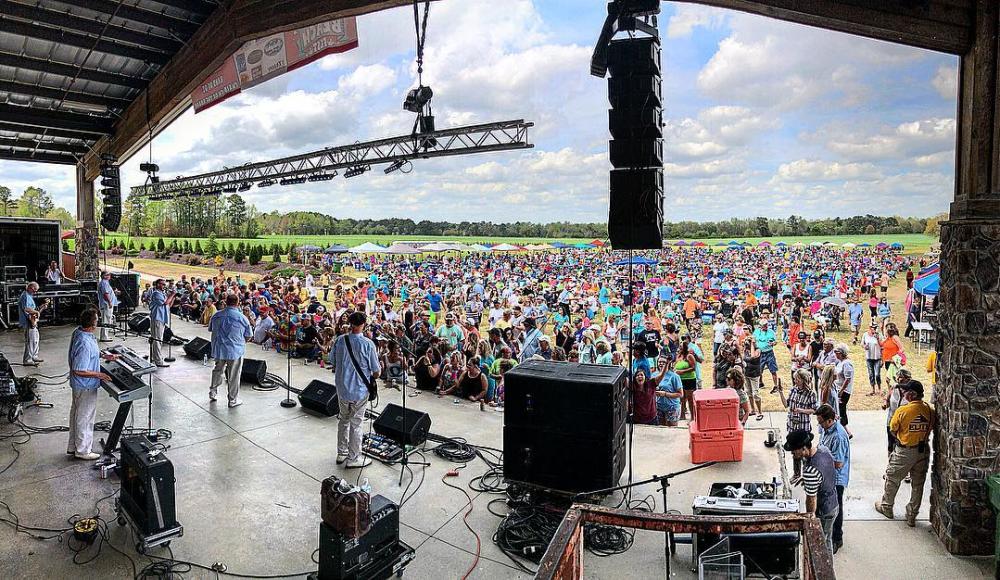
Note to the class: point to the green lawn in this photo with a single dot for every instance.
(913, 243)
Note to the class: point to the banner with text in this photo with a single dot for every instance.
(264, 58)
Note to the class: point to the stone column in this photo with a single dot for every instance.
(86, 230)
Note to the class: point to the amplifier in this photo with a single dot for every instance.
(198, 348)
(341, 557)
(147, 486)
(13, 290)
(563, 461)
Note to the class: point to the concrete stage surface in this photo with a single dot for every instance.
(248, 483)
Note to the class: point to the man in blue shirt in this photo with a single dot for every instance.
(84, 377)
(766, 339)
(230, 332)
(352, 387)
(834, 437)
(106, 301)
(159, 313)
(28, 319)
(854, 312)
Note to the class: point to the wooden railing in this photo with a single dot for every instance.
(564, 558)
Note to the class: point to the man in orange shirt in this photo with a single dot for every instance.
(690, 308)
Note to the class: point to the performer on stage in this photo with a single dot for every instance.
(159, 312)
(28, 319)
(356, 367)
(230, 333)
(54, 275)
(107, 300)
(85, 377)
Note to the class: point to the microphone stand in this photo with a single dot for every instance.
(664, 481)
(405, 461)
(288, 402)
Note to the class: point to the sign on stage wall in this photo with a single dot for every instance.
(264, 58)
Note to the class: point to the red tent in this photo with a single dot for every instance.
(68, 235)
(597, 244)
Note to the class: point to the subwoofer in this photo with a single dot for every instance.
(320, 397)
(565, 425)
(404, 426)
(253, 371)
(128, 288)
(198, 348)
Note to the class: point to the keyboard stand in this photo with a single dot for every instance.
(115, 434)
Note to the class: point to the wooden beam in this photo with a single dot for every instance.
(55, 119)
(232, 24)
(196, 6)
(70, 38)
(89, 25)
(37, 157)
(69, 70)
(62, 94)
(50, 131)
(941, 25)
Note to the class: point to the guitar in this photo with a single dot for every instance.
(33, 318)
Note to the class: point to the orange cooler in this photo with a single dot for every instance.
(718, 445)
(717, 409)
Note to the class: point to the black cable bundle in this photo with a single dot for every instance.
(152, 435)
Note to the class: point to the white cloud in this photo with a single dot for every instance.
(805, 170)
(910, 139)
(946, 81)
(687, 17)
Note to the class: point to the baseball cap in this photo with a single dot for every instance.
(917, 387)
(904, 373)
(797, 440)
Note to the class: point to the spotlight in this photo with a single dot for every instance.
(356, 171)
(231, 188)
(245, 186)
(149, 167)
(292, 180)
(154, 179)
(417, 99)
(394, 166)
(323, 176)
(265, 183)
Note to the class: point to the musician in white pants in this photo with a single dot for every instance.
(107, 301)
(28, 320)
(85, 377)
(159, 312)
(230, 333)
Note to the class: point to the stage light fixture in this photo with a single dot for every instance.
(231, 188)
(293, 180)
(245, 186)
(356, 171)
(322, 176)
(417, 99)
(396, 166)
(265, 183)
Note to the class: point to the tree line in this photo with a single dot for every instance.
(34, 202)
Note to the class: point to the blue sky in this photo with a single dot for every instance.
(763, 118)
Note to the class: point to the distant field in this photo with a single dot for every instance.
(913, 243)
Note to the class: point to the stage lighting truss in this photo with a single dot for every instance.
(485, 138)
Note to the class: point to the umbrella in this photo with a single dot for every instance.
(829, 244)
(559, 245)
(763, 244)
(680, 243)
(849, 245)
(835, 301)
(929, 284)
(367, 248)
(882, 245)
(335, 249)
(781, 244)
(537, 247)
(505, 248)
(636, 260)
(699, 244)
(478, 248)
(309, 248)
(736, 247)
(816, 243)
(734, 243)
(896, 246)
(402, 249)
(864, 245)
(440, 247)
(747, 244)
(582, 246)
(68, 235)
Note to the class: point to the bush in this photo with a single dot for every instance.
(194, 261)
(211, 247)
(291, 253)
(238, 255)
(160, 246)
(271, 266)
(197, 248)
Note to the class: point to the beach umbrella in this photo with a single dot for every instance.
(834, 300)
(736, 247)
(896, 246)
(479, 248)
(582, 246)
(367, 248)
(336, 249)
(699, 244)
(560, 245)
(850, 245)
(505, 248)
(734, 243)
(764, 244)
(882, 245)
(402, 249)
(864, 245)
(816, 243)
(781, 244)
(637, 261)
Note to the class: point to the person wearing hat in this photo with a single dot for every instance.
(818, 479)
(530, 340)
(873, 359)
(835, 438)
(545, 350)
(904, 382)
(911, 426)
(451, 332)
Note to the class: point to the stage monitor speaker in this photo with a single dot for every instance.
(320, 397)
(404, 426)
(139, 323)
(634, 56)
(636, 153)
(198, 348)
(635, 219)
(253, 371)
(565, 425)
(128, 288)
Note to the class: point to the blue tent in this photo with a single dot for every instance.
(928, 285)
(638, 261)
(896, 246)
(864, 245)
(582, 246)
(720, 244)
(734, 243)
(559, 245)
(781, 244)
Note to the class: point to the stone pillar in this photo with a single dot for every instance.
(86, 231)
(967, 396)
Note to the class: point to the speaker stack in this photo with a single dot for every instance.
(564, 425)
(635, 219)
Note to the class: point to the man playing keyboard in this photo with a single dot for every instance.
(85, 377)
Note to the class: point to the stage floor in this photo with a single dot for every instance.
(248, 483)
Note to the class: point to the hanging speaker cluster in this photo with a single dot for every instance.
(111, 193)
(635, 220)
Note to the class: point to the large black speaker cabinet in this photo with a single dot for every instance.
(634, 56)
(254, 371)
(139, 322)
(406, 427)
(198, 348)
(320, 397)
(635, 219)
(626, 153)
(128, 288)
(564, 425)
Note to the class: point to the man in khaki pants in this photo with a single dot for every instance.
(230, 333)
(911, 425)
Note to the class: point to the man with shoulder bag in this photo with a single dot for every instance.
(356, 368)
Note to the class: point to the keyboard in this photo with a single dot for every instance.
(129, 359)
(382, 448)
(124, 386)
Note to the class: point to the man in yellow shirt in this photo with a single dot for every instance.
(911, 425)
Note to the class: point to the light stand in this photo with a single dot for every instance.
(288, 402)
(664, 481)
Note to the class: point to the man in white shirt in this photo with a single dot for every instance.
(844, 382)
(262, 331)
(719, 328)
(53, 274)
